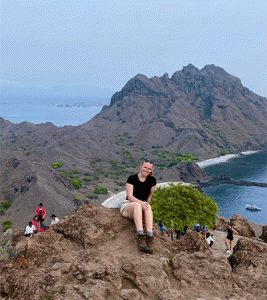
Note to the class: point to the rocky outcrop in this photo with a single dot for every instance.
(242, 226)
(264, 233)
(185, 172)
(221, 224)
(249, 265)
(93, 254)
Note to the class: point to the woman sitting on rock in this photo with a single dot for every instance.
(29, 230)
(35, 223)
(139, 190)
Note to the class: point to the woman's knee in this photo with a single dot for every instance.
(137, 206)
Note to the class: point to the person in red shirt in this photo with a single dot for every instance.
(35, 223)
(40, 213)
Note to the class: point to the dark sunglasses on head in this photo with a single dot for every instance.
(150, 161)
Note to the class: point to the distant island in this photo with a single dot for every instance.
(78, 104)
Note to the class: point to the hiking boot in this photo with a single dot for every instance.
(149, 242)
(141, 242)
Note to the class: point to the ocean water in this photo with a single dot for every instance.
(42, 113)
(231, 198)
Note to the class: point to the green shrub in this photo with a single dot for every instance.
(7, 222)
(72, 174)
(4, 206)
(96, 177)
(76, 183)
(127, 153)
(57, 165)
(87, 179)
(180, 206)
(121, 183)
(100, 190)
(116, 189)
(93, 196)
(6, 227)
(78, 197)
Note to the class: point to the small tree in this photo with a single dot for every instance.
(180, 206)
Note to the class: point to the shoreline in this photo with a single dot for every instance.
(222, 159)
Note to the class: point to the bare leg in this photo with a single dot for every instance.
(226, 243)
(231, 245)
(134, 212)
(149, 219)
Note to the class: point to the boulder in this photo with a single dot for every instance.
(249, 265)
(172, 294)
(264, 233)
(130, 294)
(242, 226)
(222, 223)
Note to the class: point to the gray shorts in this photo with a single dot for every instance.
(124, 203)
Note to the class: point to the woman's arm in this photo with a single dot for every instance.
(129, 192)
(130, 196)
(234, 231)
(151, 192)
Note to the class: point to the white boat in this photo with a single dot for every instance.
(252, 207)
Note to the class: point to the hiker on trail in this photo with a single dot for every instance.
(35, 223)
(40, 213)
(139, 190)
(29, 230)
(54, 219)
(230, 237)
(209, 239)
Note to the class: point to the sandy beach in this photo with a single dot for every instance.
(221, 159)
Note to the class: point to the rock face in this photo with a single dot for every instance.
(221, 224)
(92, 254)
(185, 172)
(200, 111)
(242, 226)
(26, 184)
(264, 232)
(249, 262)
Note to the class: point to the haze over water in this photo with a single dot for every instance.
(232, 199)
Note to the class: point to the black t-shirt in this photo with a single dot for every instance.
(141, 190)
(230, 233)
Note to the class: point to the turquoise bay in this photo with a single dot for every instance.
(232, 199)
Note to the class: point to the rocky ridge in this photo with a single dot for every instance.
(92, 254)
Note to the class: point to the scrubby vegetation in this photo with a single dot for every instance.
(180, 206)
(6, 245)
(57, 165)
(93, 196)
(4, 206)
(7, 224)
(127, 153)
(76, 183)
(166, 159)
(100, 190)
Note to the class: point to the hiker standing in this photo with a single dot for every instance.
(139, 190)
(230, 237)
(40, 213)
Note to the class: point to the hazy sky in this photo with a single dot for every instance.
(106, 43)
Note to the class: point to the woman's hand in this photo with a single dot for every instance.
(145, 205)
